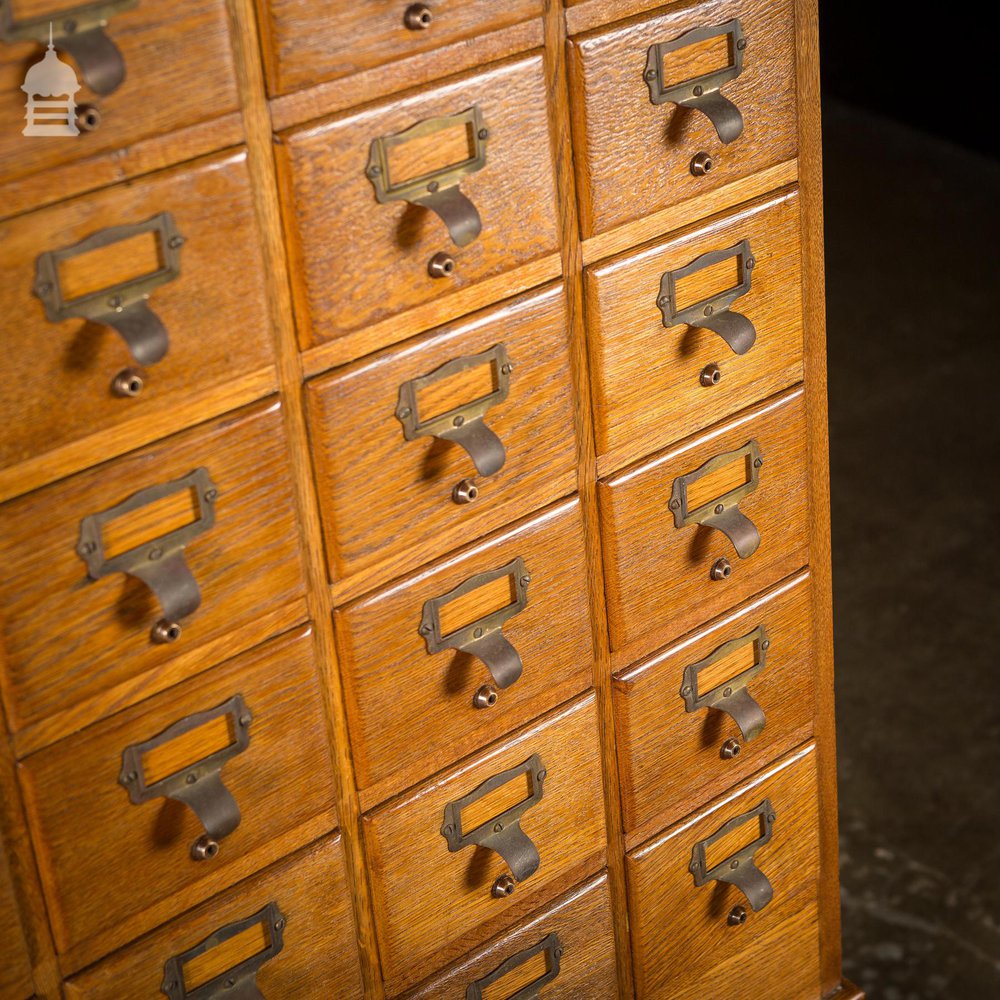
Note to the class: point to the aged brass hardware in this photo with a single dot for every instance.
(723, 512)
(704, 93)
(465, 491)
(122, 306)
(128, 382)
(439, 190)
(418, 16)
(88, 118)
(199, 786)
(485, 697)
(711, 374)
(701, 164)
(712, 313)
(737, 916)
(731, 697)
(160, 563)
(503, 833)
(237, 983)
(552, 948)
(739, 868)
(721, 569)
(730, 749)
(484, 637)
(503, 886)
(80, 32)
(441, 265)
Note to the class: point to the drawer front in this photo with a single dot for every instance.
(361, 261)
(663, 579)
(211, 305)
(68, 638)
(252, 732)
(389, 488)
(187, 57)
(310, 41)
(414, 711)
(307, 894)
(15, 970)
(658, 375)
(636, 156)
(567, 952)
(421, 878)
(671, 759)
(718, 944)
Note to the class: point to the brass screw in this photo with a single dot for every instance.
(503, 887)
(128, 382)
(204, 848)
(418, 16)
(465, 491)
(485, 697)
(737, 916)
(441, 265)
(88, 117)
(730, 749)
(701, 164)
(711, 374)
(721, 569)
(164, 631)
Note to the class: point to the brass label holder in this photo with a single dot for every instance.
(552, 948)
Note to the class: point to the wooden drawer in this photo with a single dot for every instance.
(420, 879)
(663, 579)
(360, 262)
(15, 970)
(76, 649)
(384, 497)
(310, 41)
(775, 952)
(281, 780)
(569, 950)
(672, 760)
(654, 386)
(318, 957)
(214, 312)
(414, 712)
(635, 157)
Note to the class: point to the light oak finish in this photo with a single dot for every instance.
(16, 981)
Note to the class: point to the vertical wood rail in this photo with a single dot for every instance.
(572, 261)
(257, 122)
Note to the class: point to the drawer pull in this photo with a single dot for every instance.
(723, 512)
(122, 306)
(199, 786)
(712, 313)
(484, 637)
(160, 563)
(552, 948)
(438, 190)
(239, 982)
(731, 696)
(701, 92)
(738, 869)
(502, 833)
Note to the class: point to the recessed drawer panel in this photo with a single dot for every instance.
(452, 435)
(184, 551)
(671, 106)
(15, 970)
(695, 530)
(195, 788)
(688, 331)
(737, 889)
(292, 925)
(682, 739)
(414, 711)
(466, 856)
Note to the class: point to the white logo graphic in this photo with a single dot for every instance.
(50, 78)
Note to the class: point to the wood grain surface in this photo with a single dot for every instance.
(16, 982)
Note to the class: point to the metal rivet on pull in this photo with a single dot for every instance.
(485, 697)
(737, 916)
(721, 569)
(88, 117)
(164, 631)
(128, 382)
(701, 164)
(730, 749)
(503, 886)
(418, 16)
(204, 848)
(465, 491)
(711, 374)
(441, 265)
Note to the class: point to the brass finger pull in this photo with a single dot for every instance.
(550, 946)
(503, 833)
(713, 313)
(199, 786)
(723, 512)
(703, 93)
(484, 637)
(159, 564)
(438, 190)
(731, 696)
(122, 306)
(239, 982)
(738, 869)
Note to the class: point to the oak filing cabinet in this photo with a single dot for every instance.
(413, 474)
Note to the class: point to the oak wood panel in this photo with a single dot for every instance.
(646, 378)
(342, 243)
(67, 638)
(669, 760)
(581, 918)
(59, 383)
(633, 157)
(282, 783)
(411, 711)
(16, 981)
(319, 959)
(659, 579)
(384, 498)
(419, 879)
(685, 963)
